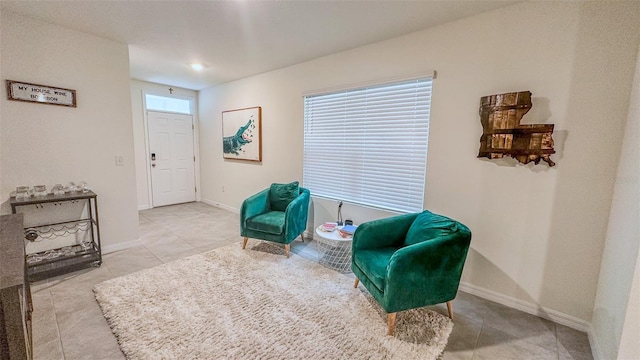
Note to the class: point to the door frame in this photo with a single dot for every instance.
(196, 135)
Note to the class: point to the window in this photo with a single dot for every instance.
(168, 104)
(369, 145)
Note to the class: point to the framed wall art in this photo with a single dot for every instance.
(242, 134)
(43, 94)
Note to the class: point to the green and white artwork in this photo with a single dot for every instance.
(241, 134)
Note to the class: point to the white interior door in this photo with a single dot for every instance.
(172, 159)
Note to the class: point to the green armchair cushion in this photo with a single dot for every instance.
(259, 220)
(374, 263)
(429, 226)
(280, 195)
(411, 260)
(271, 222)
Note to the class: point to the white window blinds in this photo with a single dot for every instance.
(369, 145)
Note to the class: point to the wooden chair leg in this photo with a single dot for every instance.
(450, 309)
(287, 248)
(302, 237)
(391, 322)
(356, 284)
(244, 243)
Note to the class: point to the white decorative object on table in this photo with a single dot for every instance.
(84, 187)
(22, 192)
(57, 190)
(40, 190)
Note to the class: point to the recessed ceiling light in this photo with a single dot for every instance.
(197, 66)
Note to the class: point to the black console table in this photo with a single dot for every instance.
(57, 260)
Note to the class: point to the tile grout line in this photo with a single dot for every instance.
(170, 230)
(555, 332)
(145, 245)
(475, 346)
(53, 305)
(181, 236)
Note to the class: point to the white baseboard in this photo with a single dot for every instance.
(143, 207)
(525, 306)
(121, 246)
(594, 343)
(221, 206)
(309, 235)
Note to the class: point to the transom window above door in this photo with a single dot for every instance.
(168, 104)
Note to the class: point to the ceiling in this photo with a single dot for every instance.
(240, 38)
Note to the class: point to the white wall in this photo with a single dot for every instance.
(138, 89)
(538, 232)
(629, 348)
(616, 316)
(45, 144)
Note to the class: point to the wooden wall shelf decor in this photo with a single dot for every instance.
(503, 135)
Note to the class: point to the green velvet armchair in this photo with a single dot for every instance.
(410, 261)
(277, 214)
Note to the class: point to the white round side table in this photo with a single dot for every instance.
(334, 251)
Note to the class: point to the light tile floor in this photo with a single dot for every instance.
(68, 323)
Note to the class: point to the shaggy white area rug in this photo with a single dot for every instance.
(253, 304)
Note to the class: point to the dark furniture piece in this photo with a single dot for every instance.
(278, 214)
(15, 294)
(56, 261)
(410, 261)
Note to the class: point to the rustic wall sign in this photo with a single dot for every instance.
(21, 91)
(502, 133)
